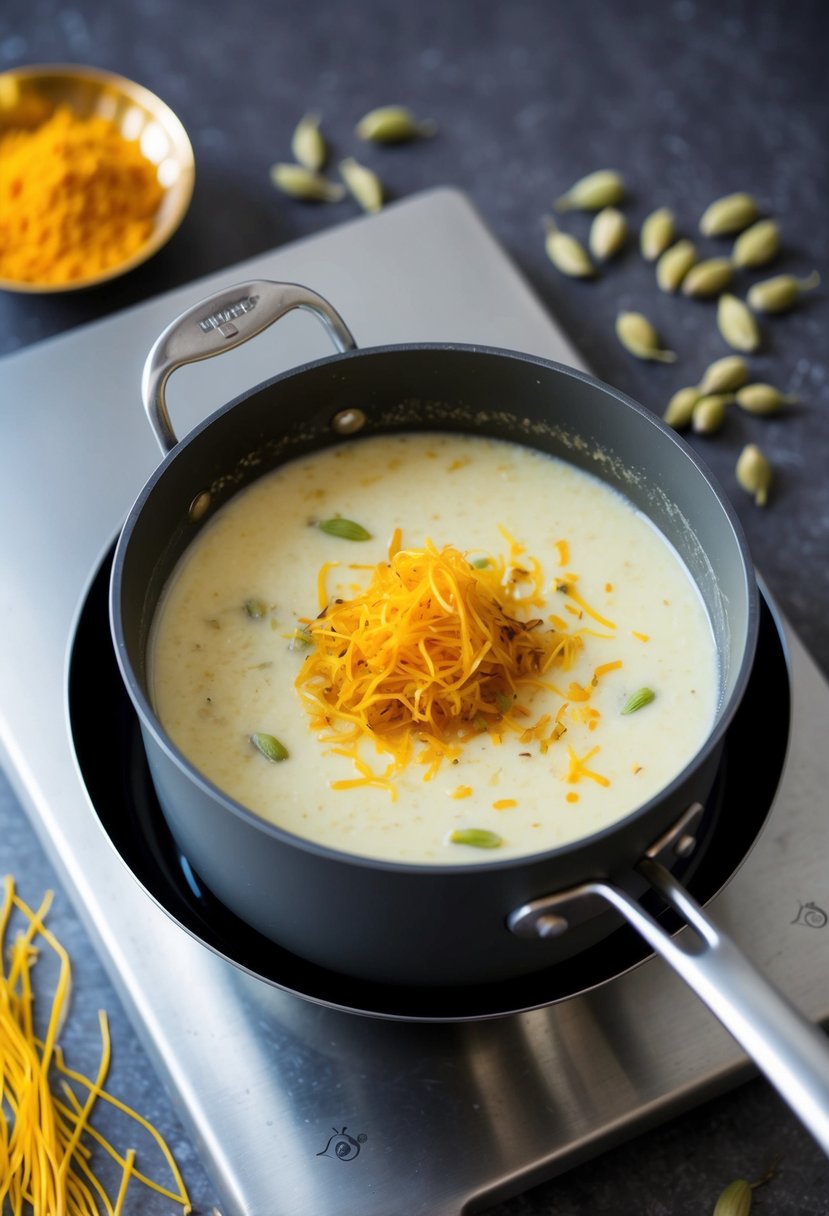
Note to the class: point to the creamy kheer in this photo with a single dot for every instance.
(558, 759)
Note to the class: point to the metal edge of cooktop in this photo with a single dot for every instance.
(51, 553)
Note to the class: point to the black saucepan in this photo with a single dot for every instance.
(418, 924)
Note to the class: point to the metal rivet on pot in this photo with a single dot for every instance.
(199, 506)
(348, 422)
(551, 925)
(685, 845)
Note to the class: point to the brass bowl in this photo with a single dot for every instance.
(29, 96)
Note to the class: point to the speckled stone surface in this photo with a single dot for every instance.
(689, 100)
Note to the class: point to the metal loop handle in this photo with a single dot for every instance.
(791, 1051)
(219, 323)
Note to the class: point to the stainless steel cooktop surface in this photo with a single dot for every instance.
(352, 1111)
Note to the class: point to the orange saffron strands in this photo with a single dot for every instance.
(426, 651)
(642, 637)
(504, 804)
(578, 769)
(46, 1163)
(563, 552)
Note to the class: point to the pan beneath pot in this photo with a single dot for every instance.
(113, 765)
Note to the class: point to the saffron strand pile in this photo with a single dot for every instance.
(46, 1137)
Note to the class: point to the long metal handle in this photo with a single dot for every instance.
(789, 1049)
(218, 323)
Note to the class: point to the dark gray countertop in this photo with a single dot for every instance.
(689, 99)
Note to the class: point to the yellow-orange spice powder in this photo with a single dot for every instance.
(76, 199)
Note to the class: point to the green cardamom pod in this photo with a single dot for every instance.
(608, 233)
(737, 324)
(642, 697)
(763, 399)
(307, 144)
(256, 608)
(724, 375)
(567, 253)
(306, 184)
(363, 184)
(393, 125)
(709, 413)
(479, 838)
(346, 529)
(270, 747)
(638, 336)
(680, 408)
(657, 235)
(674, 264)
(729, 214)
(593, 192)
(778, 294)
(754, 473)
(757, 245)
(707, 278)
(735, 1200)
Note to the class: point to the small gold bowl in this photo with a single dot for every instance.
(29, 96)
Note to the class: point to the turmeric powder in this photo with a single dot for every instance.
(76, 199)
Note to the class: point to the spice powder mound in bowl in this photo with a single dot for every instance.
(96, 174)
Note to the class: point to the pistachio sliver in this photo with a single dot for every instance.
(346, 529)
(255, 608)
(637, 700)
(478, 838)
(269, 746)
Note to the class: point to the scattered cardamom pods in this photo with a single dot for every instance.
(393, 125)
(724, 375)
(567, 253)
(754, 473)
(593, 192)
(270, 747)
(306, 184)
(707, 278)
(737, 323)
(709, 413)
(363, 183)
(778, 294)
(657, 235)
(735, 1200)
(479, 838)
(757, 245)
(680, 408)
(674, 264)
(307, 143)
(637, 700)
(729, 214)
(256, 608)
(763, 399)
(638, 336)
(608, 233)
(346, 529)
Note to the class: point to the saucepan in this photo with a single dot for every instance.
(408, 924)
